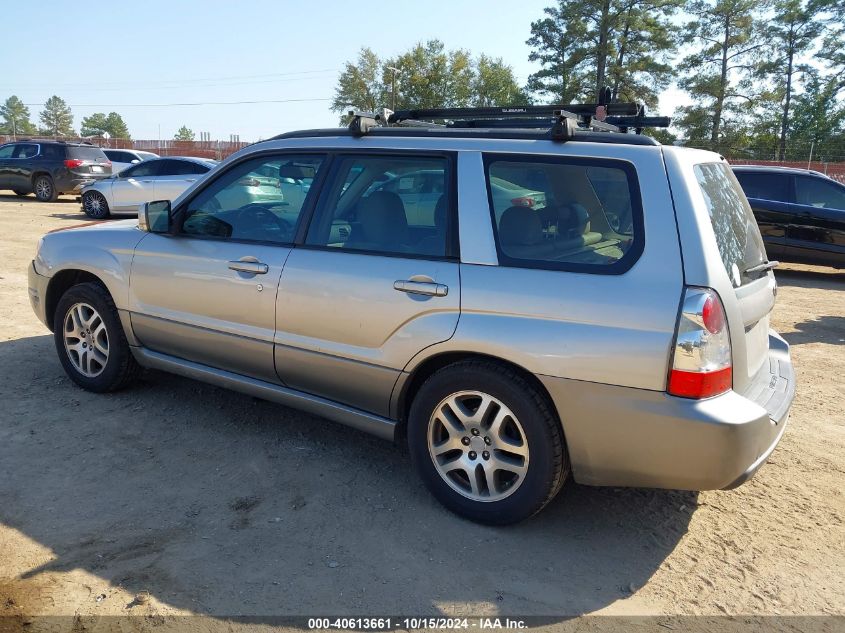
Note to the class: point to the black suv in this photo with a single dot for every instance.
(801, 213)
(50, 168)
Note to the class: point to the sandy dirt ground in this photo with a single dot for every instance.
(176, 497)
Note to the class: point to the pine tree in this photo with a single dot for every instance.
(15, 117)
(184, 133)
(56, 117)
(584, 46)
(726, 43)
(791, 33)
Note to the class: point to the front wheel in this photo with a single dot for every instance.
(45, 191)
(95, 205)
(90, 341)
(486, 442)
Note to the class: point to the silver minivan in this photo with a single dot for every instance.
(608, 323)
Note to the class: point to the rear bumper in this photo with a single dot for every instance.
(618, 436)
(73, 183)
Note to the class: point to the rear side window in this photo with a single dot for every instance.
(819, 193)
(86, 153)
(764, 186)
(118, 156)
(53, 152)
(737, 236)
(180, 168)
(582, 215)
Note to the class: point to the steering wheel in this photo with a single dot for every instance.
(258, 221)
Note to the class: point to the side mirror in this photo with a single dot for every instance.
(134, 161)
(155, 217)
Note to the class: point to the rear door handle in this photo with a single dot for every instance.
(254, 268)
(429, 288)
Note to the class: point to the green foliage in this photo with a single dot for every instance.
(56, 118)
(15, 117)
(426, 76)
(726, 44)
(98, 123)
(583, 46)
(184, 133)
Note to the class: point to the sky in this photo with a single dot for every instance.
(131, 57)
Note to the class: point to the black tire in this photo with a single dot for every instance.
(44, 188)
(548, 465)
(120, 368)
(95, 206)
(21, 193)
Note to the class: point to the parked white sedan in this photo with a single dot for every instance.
(154, 179)
(123, 158)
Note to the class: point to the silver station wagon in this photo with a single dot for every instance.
(606, 320)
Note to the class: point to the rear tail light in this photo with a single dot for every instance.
(701, 358)
(107, 163)
(73, 163)
(523, 201)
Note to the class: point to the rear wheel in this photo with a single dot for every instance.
(90, 341)
(45, 191)
(486, 442)
(95, 206)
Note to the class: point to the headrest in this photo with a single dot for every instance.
(381, 216)
(520, 226)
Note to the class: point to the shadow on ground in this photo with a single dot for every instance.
(825, 329)
(226, 505)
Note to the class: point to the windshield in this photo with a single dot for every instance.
(737, 236)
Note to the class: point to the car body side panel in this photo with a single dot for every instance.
(344, 332)
(570, 324)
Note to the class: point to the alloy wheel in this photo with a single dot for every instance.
(94, 204)
(478, 446)
(86, 340)
(43, 189)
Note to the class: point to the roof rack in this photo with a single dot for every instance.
(560, 120)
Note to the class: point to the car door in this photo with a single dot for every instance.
(21, 166)
(771, 199)
(816, 233)
(174, 176)
(134, 185)
(207, 292)
(366, 291)
(6, 152)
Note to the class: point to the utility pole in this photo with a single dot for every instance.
(396, 71)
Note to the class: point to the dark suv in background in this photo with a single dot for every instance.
(801, 213)
(51, 168)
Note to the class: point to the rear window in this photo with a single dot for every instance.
(737, 236)
(86, 153)
(574, 214)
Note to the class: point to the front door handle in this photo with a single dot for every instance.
(253, 268)
(429, 288)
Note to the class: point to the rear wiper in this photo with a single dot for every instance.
(761, 267)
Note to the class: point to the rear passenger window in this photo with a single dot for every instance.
(386, 205)
(764, 186)
(565, 214)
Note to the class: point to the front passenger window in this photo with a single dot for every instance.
(258, 200)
